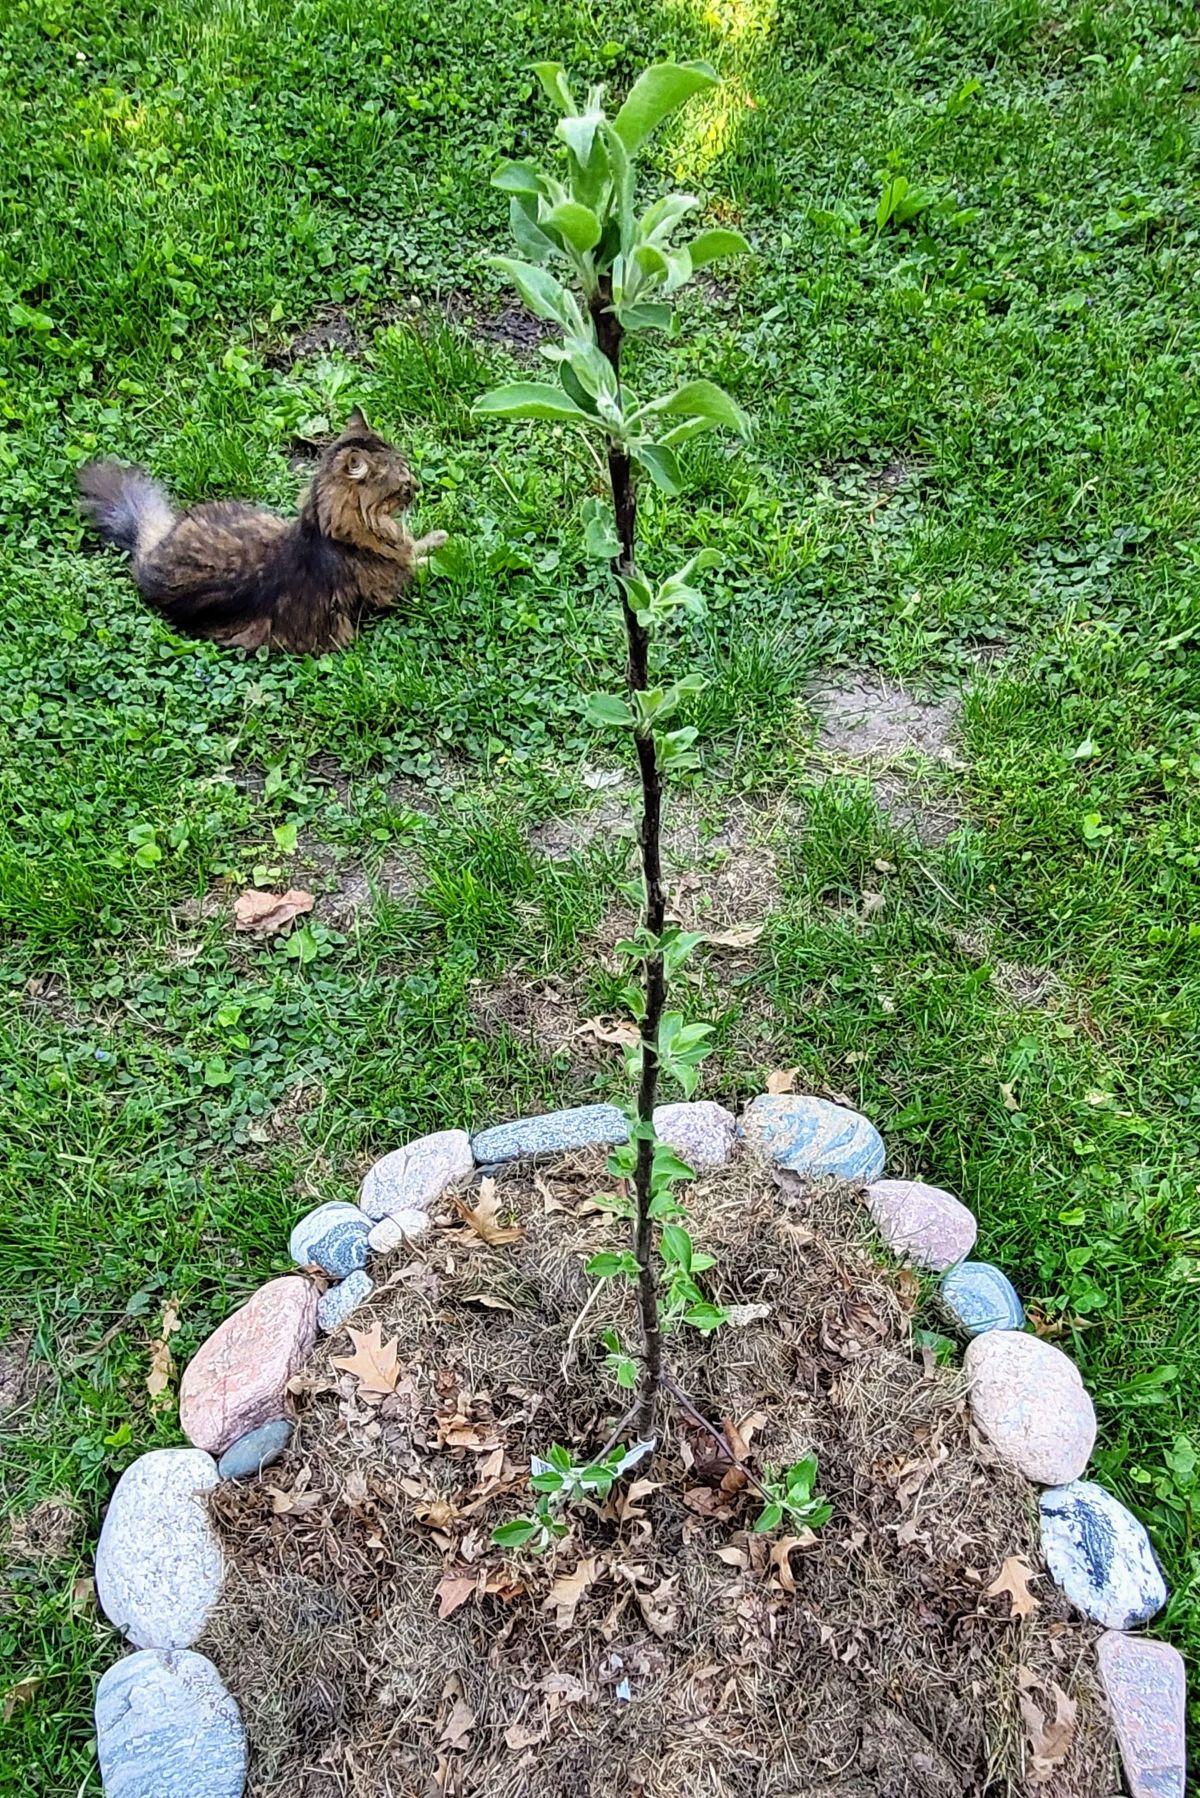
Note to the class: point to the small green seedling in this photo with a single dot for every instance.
(791, 1493)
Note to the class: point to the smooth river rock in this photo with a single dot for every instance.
(333, 1238)
(158, 1563)
(1146, 1686)
(238, 1379)
(167, 1728)
(700, 1131)
(1029, 1401)
(412, 1178)
(812, 1136)
(982, 1298)
(553, 1133)
(921, 1224)
(393, 1232)
(336, 1305)
(1100, 1555)
(256, 1450)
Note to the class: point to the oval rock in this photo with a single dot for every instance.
(1146, 1686)
(922, 1225)
(237, 1380)
(1100, 1555)
(411, 1178)
(333, 1238)
(340, 1302)
(700, 1131)
(813, 1136)
(1029, 1401)
(981, 1298)
(260, 1448)
(167, 1728)
(158, 1562)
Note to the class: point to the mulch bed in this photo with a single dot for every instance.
(380, 1646)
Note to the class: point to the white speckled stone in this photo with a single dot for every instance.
(921, 1224)
(813, 1136)
(336, 1305)
(391, 1232)
(412, 1178)
(333, 1238)
(257, 1449)
(700, 1131)
(553, 1133)
(158, 1563)
(982, 1298)
(1146, 1686)
(167, 1728)
(1100, 1555)
(1029, 1401)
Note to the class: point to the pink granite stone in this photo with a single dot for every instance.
(701, 1132)
(1029, 1401)
(922, 1224)
(237, 1379)
(411, 1178)
(1146, 1686)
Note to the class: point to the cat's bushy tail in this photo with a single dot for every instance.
(125, 505)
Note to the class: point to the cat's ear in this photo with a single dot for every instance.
(356, 424)
(357, 467)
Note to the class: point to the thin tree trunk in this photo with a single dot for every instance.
(624, 496)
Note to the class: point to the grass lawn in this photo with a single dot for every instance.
(975, 473)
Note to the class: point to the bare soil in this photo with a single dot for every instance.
(381, 1647)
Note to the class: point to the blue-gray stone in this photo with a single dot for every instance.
(333, 1238)
(982, 1298)
(552, 1134)
(813, 1136)
(1100, 1555)
(167, 1728)
(337, 1304)
(255, 1450)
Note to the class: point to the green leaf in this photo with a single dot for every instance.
(519, 178)
(646, 315)
(559, 1457)
(705, 1317)
(661, 465)
(658, 222)
(627, 1373)
(528, 399)
(669, 1166)
(600, 540)
(770, 1518)
(529, 238)
(577, 391)
(607, 1266)
(541, 292)
(515, 1534)
(677, 1247)
(675, 747)
(582, 136)
(607, 710)
(577, 224)
(553, 78)
(708, 246)
(551, 1481)
(655, 95)
(651, 261)
(703, 399)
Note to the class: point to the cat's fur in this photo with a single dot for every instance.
(243, 576)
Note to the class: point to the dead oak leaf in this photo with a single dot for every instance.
(1014, 1578)
(161, 1365)
(564, 1595)
(20, 1694)
(265, 913)
(484, 1219)
(783, 1080)
(454, 1590)
(459, 1717)
(1050, 1736)
(781, 1557)
(606, 1030)
(738, 936)
(374, 1363)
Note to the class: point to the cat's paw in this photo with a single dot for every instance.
(436, 540)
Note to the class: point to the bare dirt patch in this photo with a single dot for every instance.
(332, 329)
(874, 728)
(507, 324)
(21, 1376)
(379, 1644)
(51, 1531)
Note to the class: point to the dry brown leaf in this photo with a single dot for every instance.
(608, 1030)
(161, 1365)
(738, 936)
(1014, 1578)
(660, 1608)
(781, 1557)
(733, 1557)
(1008, 1094)
(20, 1694)
(1050, 1738)
(455, 1589)
(460, 1718)
(519, 1736)
(374, 1363)
(783, 1080)
(568, 1589)
(484, 1220)
(265, 913)
(83, 1595)
(355, 1491)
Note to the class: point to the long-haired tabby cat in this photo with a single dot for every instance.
(243, 576)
